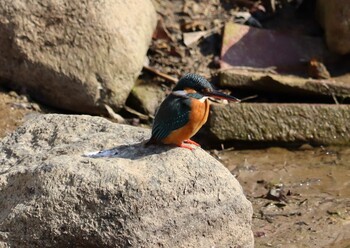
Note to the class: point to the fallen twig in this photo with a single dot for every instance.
(114, 115)
(248, 98)
(285, 214)
(161, 74)
(138, 114)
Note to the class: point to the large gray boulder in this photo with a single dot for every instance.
(52, 195)
(75, 55)
(334, 16)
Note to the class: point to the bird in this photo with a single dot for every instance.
(184, 111)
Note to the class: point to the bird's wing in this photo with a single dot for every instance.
(173, 113)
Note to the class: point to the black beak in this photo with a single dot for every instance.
(219, 95)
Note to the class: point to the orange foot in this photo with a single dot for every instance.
(185, 146)
(188, 141)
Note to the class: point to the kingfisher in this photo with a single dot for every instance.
(184, 111)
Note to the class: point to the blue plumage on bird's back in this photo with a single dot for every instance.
(173, 113)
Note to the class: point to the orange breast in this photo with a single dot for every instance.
(198, 116)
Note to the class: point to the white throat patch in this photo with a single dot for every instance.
(179, 93)
(184, 93)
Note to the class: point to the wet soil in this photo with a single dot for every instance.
(301, 198)
(13, 109)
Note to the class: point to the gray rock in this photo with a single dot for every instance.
(334, 16)
(147, 97)
(75, 55)
(300, 123)
(54, 196)
(277, 83)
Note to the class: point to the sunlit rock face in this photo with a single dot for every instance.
(55, 190)
(75, 55)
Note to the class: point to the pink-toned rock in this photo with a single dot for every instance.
(246, 46)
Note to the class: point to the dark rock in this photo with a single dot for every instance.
(334, 17)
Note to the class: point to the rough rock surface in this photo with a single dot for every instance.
(281, 123)
(334, 16)
(75, 55)
(275, 83)
(54, 196)
(147, 98)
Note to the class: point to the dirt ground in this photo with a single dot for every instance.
(13, 109)
(301, 198)
(170, 54)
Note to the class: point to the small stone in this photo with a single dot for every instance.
(146, 97)
(13, 94)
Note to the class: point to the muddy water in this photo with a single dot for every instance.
(313, 208)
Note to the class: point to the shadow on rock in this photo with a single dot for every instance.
(132, 151)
